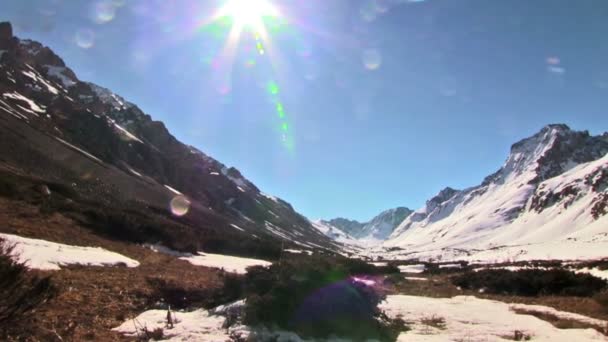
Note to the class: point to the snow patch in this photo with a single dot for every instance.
(34, 107)
(412, 268)
(229, 263)
(173, 190)
(472, 319)
(57, 72)
(46, 255)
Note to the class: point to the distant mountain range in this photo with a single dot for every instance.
(378, 228)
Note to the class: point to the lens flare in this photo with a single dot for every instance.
(179, 206)
(372, 59)
(85, 38)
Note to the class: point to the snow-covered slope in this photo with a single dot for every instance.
(46, 255)
(552, 189)
(334, 233)
(382, 226)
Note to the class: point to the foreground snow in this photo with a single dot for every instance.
(472, 319)
(203, 326)
(229, 263)
(46, 255)
(199, 325)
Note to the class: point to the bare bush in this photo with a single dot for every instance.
(20, 292)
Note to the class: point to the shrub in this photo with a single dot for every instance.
(179, 296)
(602, 299)
(316, 298)
(20, 292)
(531, 282)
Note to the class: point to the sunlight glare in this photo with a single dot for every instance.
(248, 13)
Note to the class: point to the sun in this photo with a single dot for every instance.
(248, 14)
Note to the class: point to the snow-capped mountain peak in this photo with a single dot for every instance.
(552, 185)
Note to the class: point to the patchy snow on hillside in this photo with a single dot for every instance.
(79, 150)
(472, 319)
(37, 78)
(228, 263)
(34, 108)
(57, 72)
(334, 233)
(172, 190)
(46, 255)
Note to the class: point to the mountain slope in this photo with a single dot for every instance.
(56, 127)
(552, 188)
(377, 229)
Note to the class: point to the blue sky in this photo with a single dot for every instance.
(385, 102)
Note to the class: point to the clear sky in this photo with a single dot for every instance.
(347, 107)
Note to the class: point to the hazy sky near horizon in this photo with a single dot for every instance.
(346, 107)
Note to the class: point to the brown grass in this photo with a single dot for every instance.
(434, 321)
(561, 323)
(93, 300)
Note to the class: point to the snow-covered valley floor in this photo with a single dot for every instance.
(471, 319)
(461, 318)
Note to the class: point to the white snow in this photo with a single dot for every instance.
(172, 190)
(379, 264)
(228, 263)
(58, 72)
(419, 268)
(472, 319)
(199, 325)
(298, 251)
(33, 106)
(596, 272)
(108, 97)
(36, 77)
(9, 109)
(236, 227)
(79, 150)
(127, 134)
(46, 255)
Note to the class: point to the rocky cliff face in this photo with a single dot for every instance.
(38, 89)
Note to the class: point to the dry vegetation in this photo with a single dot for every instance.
(90, 301)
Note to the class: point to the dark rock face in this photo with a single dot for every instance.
(441, 197)
(6, 31)
(350, 227)
(379, 227)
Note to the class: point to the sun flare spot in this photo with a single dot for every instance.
(248, 14)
